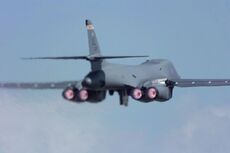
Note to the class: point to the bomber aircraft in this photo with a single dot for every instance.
(153, 80)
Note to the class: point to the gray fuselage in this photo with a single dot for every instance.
(117, 75)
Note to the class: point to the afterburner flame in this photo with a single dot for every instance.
(151, 93)
(137, 93)
(83, 94)
(69, 94)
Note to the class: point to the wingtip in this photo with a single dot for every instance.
(24, 58)
(29, 58)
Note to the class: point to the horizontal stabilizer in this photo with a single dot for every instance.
(89, 58)
(57, 58)
(112, 57)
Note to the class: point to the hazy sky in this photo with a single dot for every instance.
(193, 34)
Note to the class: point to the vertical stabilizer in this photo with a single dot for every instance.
(94, 49)
(95, 58)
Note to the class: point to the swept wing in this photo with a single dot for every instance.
(198, 82)
(38, 85)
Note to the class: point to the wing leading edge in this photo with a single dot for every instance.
(38, 85)
(198, 82)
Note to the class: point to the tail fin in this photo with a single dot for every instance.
(95, 58)
(94, 48)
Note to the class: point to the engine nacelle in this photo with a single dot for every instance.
(150, 94)
(164, 93)
(96, 96)
(81, 95)
(75, 95)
